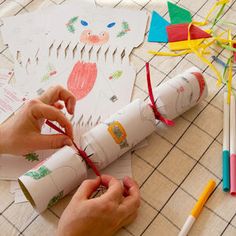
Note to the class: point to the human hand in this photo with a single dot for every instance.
(21, 134)
(103, 215)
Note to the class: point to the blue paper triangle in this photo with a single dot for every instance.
(157, 31)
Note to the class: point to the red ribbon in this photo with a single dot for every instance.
(82, 153)
(157, 114)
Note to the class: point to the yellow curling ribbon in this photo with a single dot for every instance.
(200, 49)
(230, 69)
(172, 54)
(200, 54)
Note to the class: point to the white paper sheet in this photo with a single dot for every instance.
(84, 48)
(5, 76)
(10, 101)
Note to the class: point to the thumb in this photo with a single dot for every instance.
(87, 188)
(51, 141)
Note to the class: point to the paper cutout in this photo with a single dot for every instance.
(179, 32)
(54, 45)
(82, 79)
(182, 45)
(178, 15)
(157, 31)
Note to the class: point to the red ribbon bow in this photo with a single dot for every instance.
(157, 114)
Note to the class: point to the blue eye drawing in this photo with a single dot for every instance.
(84, 23)
(111, 25)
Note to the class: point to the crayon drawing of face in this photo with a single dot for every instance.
(88, 37)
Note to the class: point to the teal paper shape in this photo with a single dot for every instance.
(157, 31)
(178, 15)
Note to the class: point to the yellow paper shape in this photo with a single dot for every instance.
(182, 45)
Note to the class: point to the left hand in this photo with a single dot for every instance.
(21, 133)
(103, 215)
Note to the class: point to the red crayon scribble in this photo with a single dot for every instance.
(82, 79)
(201, 82)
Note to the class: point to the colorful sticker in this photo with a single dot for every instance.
(55, 199)
(125, 29)
(118, 133)
(50, 73)
(70, 25)
(32, 157)
(38, 174)
(116, 75)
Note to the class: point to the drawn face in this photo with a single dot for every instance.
(88, 37)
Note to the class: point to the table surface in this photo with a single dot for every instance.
(173, 169)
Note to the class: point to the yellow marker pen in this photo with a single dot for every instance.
(197, 208)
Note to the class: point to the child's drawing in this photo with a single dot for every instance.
(71, 24)
(82, 79)
(38, 174)
(88, 37)
(125, 29)
(32, 157)
(51, 71)
(116, 75)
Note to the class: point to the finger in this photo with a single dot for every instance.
(57, 93)
(114, 189)
(132, 202)
(44, 111)
(43, 142)
(87, 188)
(58, 105)
(131, 186)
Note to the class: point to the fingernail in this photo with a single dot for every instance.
(67, 142)
(70, 106)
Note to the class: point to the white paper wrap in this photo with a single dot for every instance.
(53, 178)
(110, 139)
(180, 93)
(118, 134)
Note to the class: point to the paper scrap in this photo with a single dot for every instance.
(157, 31)
(178, 15)
(181, 45)
(179, 32)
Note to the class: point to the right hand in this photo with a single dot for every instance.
(103, 215)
